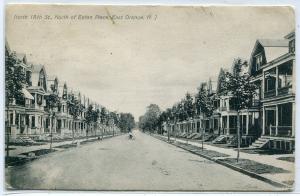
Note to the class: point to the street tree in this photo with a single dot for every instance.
(115, 119)
(189, 111)
(52, 103)
(75, 108)
(238, 85)
(127, 122)
(203, 105)
(15, 80)
(150, 119)
(89, 118)
(95, 115)
(176, 116)
(103, 117)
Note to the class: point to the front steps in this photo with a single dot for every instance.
(260, 143)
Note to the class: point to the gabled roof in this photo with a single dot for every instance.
(36, 72)
(273, 48)
(273, 42)
(51, 80)
(60, 90)
(51, 77)
(290, 36)
(7, 48)
(220, 75)
(21, 56)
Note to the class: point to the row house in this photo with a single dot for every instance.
(270, 120)
(192, 128)
(16, 117)
(31, 116)
(272, 64)
(225, 108)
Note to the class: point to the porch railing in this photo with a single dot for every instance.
(256, 103)
(285, 90)
(270, 93)
(230, 130)
(281, 131)
(223, 108)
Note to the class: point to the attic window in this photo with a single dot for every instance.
(292, 46)
(258, 61)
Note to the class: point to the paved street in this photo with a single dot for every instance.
(144, 163)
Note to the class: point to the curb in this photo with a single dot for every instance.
(233, 167)
(61, 150)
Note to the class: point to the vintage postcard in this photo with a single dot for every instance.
(149, 98)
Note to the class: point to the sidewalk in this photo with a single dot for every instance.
(286, 178)
(18, 150)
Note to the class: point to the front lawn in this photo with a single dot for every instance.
(254, 166)
(39, 152)
(289, 159)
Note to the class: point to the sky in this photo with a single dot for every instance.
(127, 64)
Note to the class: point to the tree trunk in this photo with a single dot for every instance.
(87, 131)
(238, 135)
(175, 130)
(7, 127)
(202, 138)
(51, 123)
(168, 128)
(7, 142)
(72, 133)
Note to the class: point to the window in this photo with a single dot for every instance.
(41, 80)
(11, 116)
(63, 108)
(271, 84)
(270, 80)
(258, 61)
(292, 46)
(33, 122)
(28, 78)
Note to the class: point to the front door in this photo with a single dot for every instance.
(270, 120)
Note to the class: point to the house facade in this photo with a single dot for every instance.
(31, 115)
(270, 120)
(274, 62)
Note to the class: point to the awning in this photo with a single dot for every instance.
(27, 94)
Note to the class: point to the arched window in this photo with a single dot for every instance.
(42, 80)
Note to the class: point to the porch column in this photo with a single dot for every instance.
(42, 124)
(247, 123)
(50, 122)
(19, 120)
(221, 124)
(30, 124)
(294, 78)
(293, 117)
(14, 117)
(196, 126)
(54, 130)
(276, 121)
(35, 100)
(264, 121)
(227, 131)
(36, 123)
(277, 78)
(263, 90)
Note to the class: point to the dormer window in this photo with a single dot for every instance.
(292, 46)
(258, 61)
